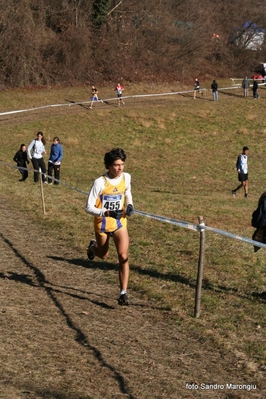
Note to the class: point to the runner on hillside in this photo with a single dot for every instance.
(110, 202)
(94, 95)
(119, 89)
(196, 87)
(242, 169)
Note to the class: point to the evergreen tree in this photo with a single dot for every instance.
(99, 12)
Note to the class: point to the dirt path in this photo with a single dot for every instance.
(64, 336)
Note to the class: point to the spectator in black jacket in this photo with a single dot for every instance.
(255, 89)
(259, 221)
(21, 159)
(214, 87)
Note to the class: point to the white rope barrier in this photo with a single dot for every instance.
(107, 100)
(180, 223)
(199, 227)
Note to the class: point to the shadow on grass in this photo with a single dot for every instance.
(198, 97)
(110, 266)
(77, 103)
(88, 106)
(80, 337)
(261, 296)
(230, 94)
(174, 277)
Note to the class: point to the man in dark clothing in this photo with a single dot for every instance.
(255, 89)
(214, 87)
(21, 159)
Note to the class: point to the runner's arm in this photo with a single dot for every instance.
(95, 191)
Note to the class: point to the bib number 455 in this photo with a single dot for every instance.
(112, 205)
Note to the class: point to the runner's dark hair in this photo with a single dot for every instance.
(113, 155)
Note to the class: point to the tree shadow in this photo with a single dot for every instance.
(80, 337)
(24, 278)
(261, 296)
(21, 278)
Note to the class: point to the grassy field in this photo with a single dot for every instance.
(181, 155)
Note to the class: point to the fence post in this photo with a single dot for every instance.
(200, 268)
(42, 195)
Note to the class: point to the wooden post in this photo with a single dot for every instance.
(200, 268)
(42, 195)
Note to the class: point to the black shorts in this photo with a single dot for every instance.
(242, 177)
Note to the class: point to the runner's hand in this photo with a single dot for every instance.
(130, 210)
(115, 214)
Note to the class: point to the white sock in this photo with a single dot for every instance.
(123, 292)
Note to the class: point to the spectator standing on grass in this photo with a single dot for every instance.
(196, 87)
(119, 90)
(214, 87)
(36, 149)
(255, 89)
(94, 95)
(21, 159)
(110, 202)
(245, 86)
(242, 170)
(54, 162)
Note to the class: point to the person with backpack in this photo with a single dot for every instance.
(214, 87)
(242, 170)
(36, 149)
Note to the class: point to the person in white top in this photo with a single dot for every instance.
(35, 151)
(196, 88)
(242, 170)
(119, 91)
(110, 202)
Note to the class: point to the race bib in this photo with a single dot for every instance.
(112, 202)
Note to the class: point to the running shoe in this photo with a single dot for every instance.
(89, 251)
(123, 300)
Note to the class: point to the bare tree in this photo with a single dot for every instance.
(68, 41)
